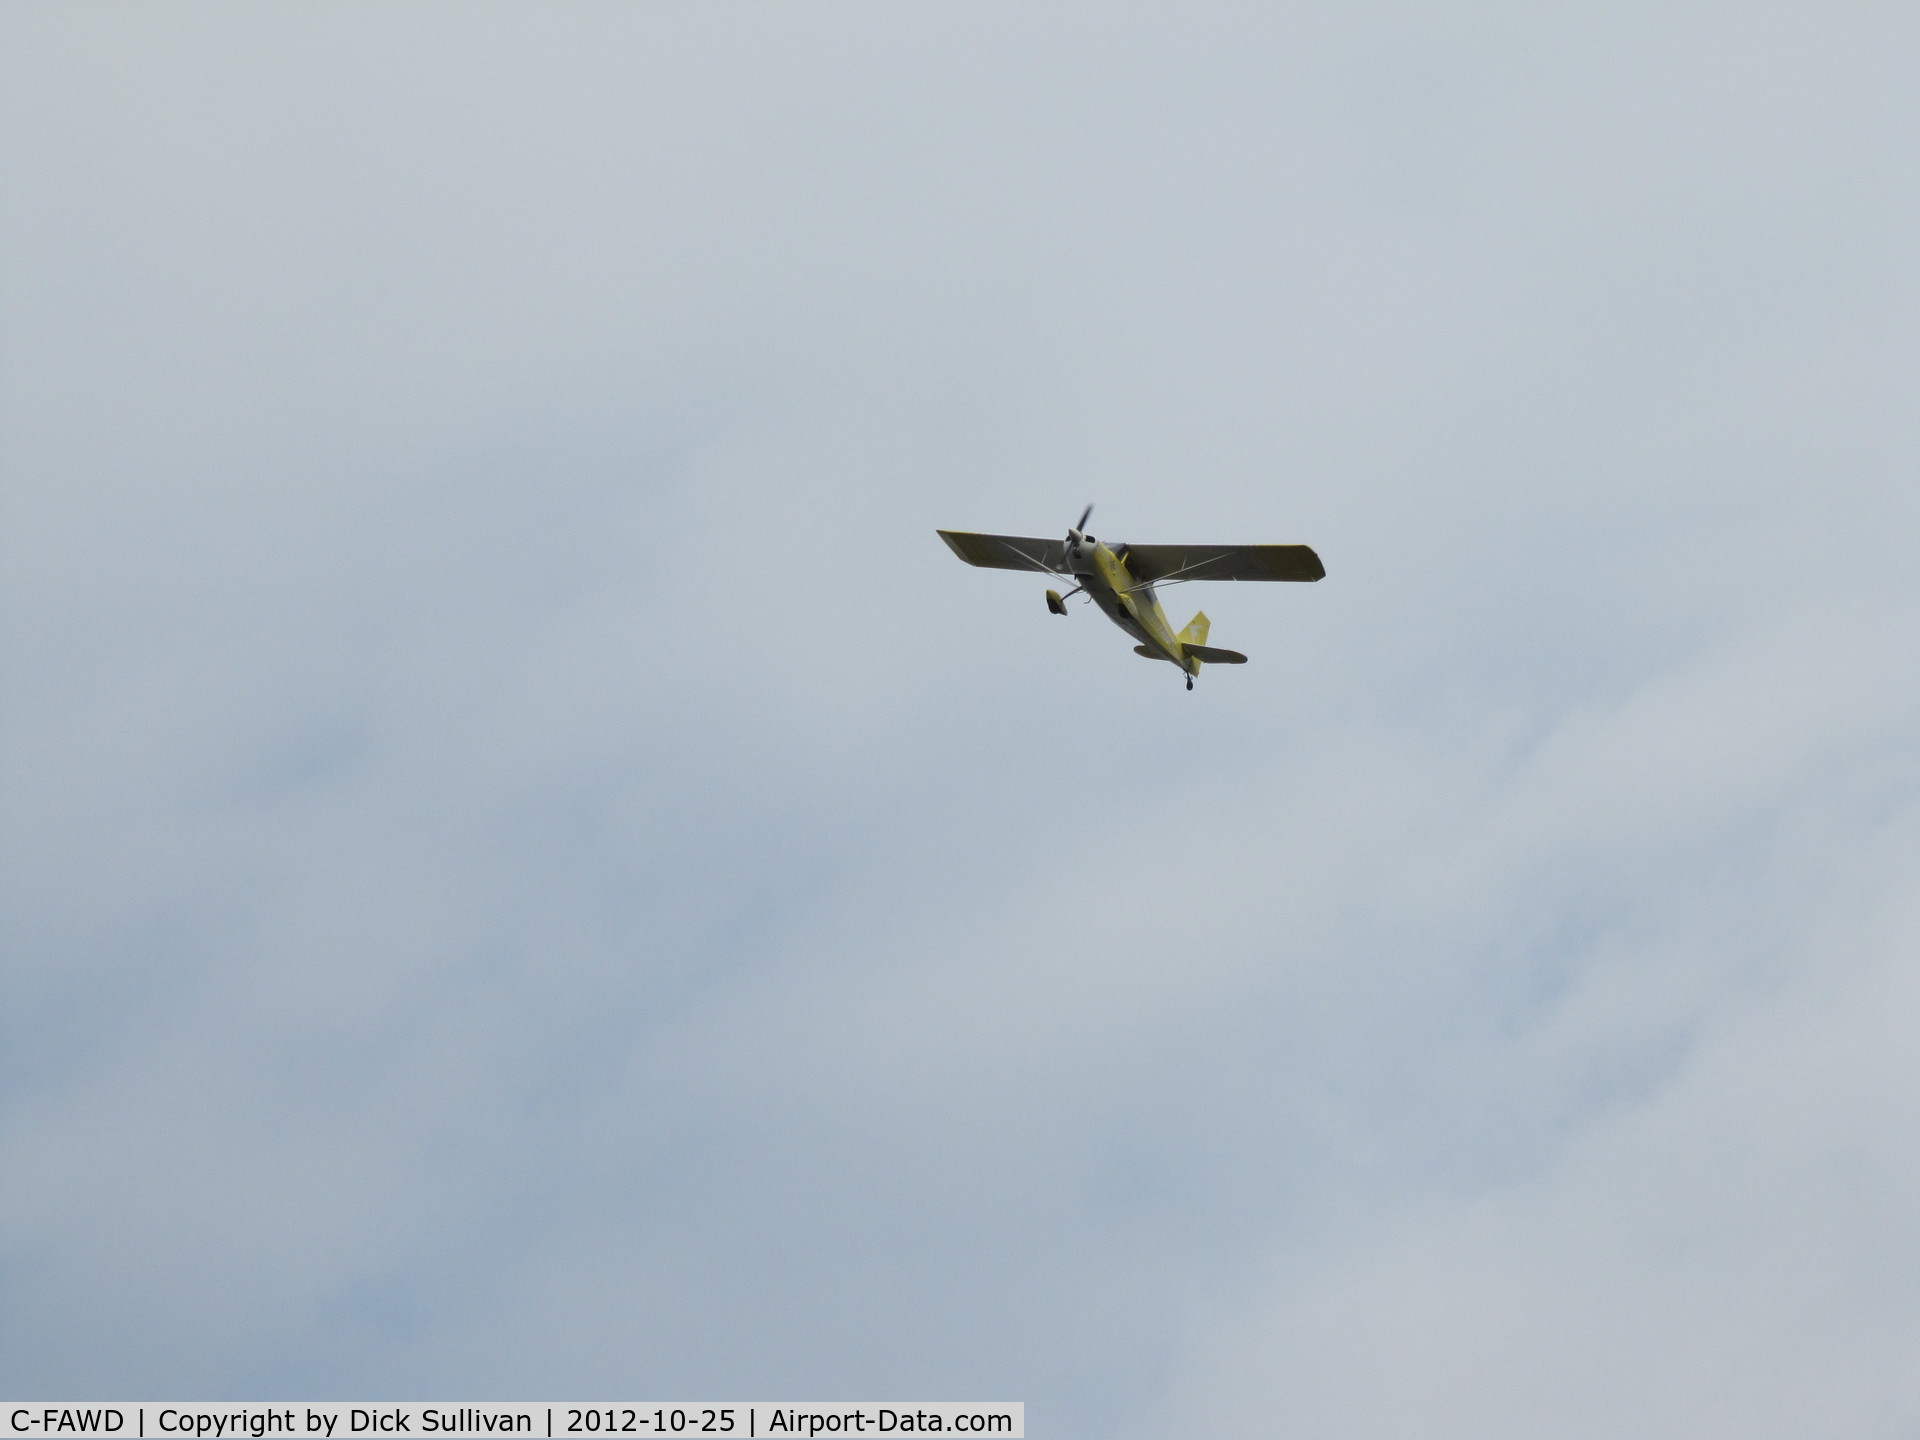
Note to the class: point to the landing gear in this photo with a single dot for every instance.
(1189, 682)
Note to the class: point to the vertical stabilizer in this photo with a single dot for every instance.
(1196, 631)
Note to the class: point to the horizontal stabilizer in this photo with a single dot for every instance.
(1209, 655)
(1147, 652)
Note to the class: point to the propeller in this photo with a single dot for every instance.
(1055, 601)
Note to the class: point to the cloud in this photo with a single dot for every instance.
(527, 867)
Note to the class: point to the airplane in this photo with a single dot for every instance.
(1120, 580)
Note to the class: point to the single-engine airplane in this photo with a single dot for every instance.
(1120, 580)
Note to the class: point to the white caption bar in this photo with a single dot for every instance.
(740, 1420)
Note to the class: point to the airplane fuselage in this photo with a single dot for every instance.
(1130, 604)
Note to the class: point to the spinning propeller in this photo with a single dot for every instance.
(1075, 537)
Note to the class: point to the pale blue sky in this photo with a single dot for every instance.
(529, 871)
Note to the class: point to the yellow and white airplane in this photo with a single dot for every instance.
(1120, 580)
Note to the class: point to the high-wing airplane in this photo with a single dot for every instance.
(1120, 580)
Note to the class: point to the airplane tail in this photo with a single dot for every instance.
(1193, 642)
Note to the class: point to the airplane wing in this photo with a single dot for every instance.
(1148, 563)
(1008, 552)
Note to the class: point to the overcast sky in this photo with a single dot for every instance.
(530, 872)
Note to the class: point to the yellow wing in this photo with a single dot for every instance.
(1222, 562)
(1008, 552)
